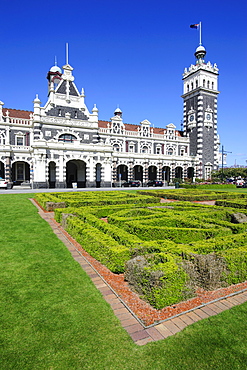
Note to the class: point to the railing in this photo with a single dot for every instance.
(20, 147)
(20, 121)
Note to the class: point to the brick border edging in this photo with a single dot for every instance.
(140, 333)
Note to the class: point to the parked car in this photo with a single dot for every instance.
(133, 183)
(155, 183)
(3, 183)
(244, 185)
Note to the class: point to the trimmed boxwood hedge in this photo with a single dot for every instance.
(168, 235)
(100, 246)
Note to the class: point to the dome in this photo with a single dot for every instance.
(55, 69)
(118, 110)
(200, 49)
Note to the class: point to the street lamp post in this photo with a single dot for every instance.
(223, 152)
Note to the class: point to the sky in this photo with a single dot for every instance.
(131, 54)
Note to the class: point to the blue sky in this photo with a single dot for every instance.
(129, 53)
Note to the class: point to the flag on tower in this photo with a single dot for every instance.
(195, 25)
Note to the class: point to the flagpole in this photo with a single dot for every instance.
(200, 27)
(67, 53)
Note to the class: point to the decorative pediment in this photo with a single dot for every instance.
(171, 126)
(146, 122)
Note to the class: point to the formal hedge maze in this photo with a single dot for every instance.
(166, 250)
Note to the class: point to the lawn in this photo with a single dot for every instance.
(52, 316)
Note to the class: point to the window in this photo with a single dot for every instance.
(67, 138)
(192, 86)
(116, 148)
(208, 84)
(196, 83)
(144, 149)
(170, 151)
(203, 83)
(131, 148)
(19, 140)
(2, 139)
(182, 152)
(158, 150)
(188, 88)
(212, 86)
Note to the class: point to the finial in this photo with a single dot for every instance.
(55, 60)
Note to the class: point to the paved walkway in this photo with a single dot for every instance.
(138, 332)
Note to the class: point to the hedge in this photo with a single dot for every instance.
(100, 246)
(234, 203)
(161, 280)
(208, 186)
(195, 232)
(176, 234)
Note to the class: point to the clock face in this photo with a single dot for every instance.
(192, 118)
(208, 117)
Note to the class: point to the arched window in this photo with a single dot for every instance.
(203, 83)
(170, 151)
(192, 86)
(208, 84)
(144, 149)
(67, 138)
(116, 148)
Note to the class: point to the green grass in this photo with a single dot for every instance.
(52, 316)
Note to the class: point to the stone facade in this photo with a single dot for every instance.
(62, 144)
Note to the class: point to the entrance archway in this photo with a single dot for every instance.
(52, 175)
(122, 173)
(166, 173)
(98, 175)
(20, 172)
(178, 173)
(152, 173)
(138, 173)
(76, 173)
(190, 172)
(2, 172)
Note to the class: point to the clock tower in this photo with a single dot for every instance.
(200, 91)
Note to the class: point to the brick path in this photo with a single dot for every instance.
(138, 332)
